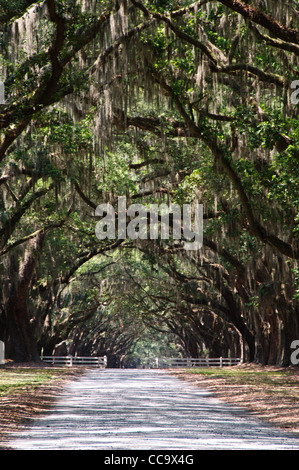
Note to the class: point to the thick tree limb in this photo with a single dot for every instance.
(263, 76)
(286, 46)
(83, 196)
(222, 158)
(208, 51)
(87, 255)
(31, 236)
(257, 16)
(10, 224)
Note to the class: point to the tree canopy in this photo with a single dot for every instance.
(162, 102)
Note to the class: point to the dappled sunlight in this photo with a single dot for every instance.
(146, 409)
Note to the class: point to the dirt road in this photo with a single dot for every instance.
(125, 409)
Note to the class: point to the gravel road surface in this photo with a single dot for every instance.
(125, 409)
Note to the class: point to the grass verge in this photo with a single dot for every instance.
(269, 393)
(28, 392)
(12, 381)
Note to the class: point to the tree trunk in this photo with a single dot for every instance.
(272, 319)
(20, 343)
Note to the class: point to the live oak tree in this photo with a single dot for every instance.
(159, 101)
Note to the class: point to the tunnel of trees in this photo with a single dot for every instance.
(160, 101)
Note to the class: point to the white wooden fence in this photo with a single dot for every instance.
(171, 362)
(154, 363)
(75, 361)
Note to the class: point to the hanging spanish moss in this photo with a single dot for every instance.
(188, 105)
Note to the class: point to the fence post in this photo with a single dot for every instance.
(2, 354)
(221, 363)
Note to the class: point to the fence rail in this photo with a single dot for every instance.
(170, 362)
(75, 361)
(154, 363)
